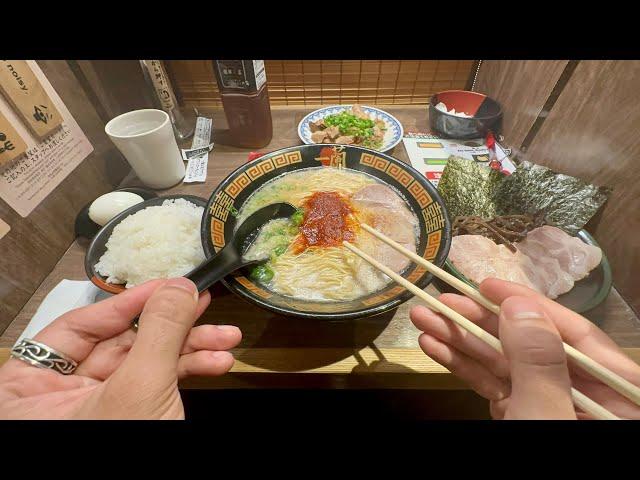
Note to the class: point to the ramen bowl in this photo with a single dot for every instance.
(434, 229)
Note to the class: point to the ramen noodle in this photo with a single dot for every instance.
(306, 257)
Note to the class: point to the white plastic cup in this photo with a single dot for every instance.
(145, 138)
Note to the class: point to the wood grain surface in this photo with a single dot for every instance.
(363, 368)
(385, 345)
(103, 81)
(592, 133)
(522, 87)
(37, 242)
(4, 228)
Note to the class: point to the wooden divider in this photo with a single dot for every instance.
(522, 88)
(34, 244)
(589, 131)
(592, 133)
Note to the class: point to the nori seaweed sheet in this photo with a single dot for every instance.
(567, 202)
(468, 188)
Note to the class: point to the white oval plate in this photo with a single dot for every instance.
(392, 136)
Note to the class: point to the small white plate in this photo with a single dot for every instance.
(392, 136)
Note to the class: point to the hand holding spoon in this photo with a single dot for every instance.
(229, 259)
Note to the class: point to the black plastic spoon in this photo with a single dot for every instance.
(229, 259)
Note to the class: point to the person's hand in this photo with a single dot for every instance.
(122, 374)
(532, 380)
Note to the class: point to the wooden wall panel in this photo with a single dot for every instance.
(522, 87)
(312, 82)
(115, 86)
(592, 133)
(33, 246)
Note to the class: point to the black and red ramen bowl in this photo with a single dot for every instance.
(420, 196)
(485, 112)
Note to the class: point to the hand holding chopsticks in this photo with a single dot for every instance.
(605, 375)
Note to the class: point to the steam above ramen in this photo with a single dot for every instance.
(307, 258)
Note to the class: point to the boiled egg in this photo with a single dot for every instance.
(109, 205)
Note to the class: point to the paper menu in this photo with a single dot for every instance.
(428, 153)
(27, 180)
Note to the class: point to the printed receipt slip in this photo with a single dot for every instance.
(198, 154)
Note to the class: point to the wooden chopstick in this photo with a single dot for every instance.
(602, 373)
(465, 288)
(580, 400)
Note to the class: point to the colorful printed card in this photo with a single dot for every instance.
(429, 153)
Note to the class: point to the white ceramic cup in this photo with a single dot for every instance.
(145, 138)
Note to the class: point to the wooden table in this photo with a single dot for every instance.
(375, 352)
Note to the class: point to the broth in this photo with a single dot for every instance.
(307, 259)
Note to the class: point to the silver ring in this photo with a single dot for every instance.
(42, 356)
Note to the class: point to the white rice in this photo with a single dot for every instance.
(443, 108)
(156, 242)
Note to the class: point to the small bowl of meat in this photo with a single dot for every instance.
(462, 114)
(357, 125)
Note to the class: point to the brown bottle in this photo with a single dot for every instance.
(243, 89)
